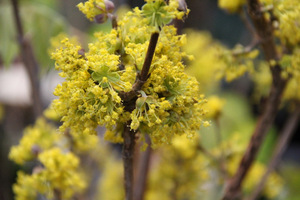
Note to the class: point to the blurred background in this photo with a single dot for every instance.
(44, 19)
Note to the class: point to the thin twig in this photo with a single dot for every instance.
(143, 169)
(249, 26)
(142, 77)
(265, 33)
(29, 61)
(281, 145)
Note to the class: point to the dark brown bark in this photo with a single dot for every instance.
(265, 33)
(143, 170)
(128, 152)
(129, 99)
(29, 61)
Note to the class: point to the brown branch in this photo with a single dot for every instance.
(149, 56)
(128, 152)
(248, 24)
(57, 194)
(281, 145)
(265, 33)
(142, 77)
(129, 103)
(143, 170)
(29, 61)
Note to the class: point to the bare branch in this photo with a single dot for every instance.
(128, 152)
(281, 145)
(264, 31)
(29, 61)
(143, 170)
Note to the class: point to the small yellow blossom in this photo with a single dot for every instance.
(231, 6)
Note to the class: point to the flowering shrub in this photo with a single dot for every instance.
(168, 103)
(133, 81)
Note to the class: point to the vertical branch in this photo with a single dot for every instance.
(143, 169)
(265, 33)
(129, 103)
(149, 56)
(128, 152)
(29, 61)
(143, 76)
(57, 195)
(279, 149)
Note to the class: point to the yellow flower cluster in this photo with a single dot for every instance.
(87, 98)
(291, 64)
(92, 8)
(288, 13)
(170, 102)
(262, 79)
(202, 52)
(61, 172)
(58, 172)
(236, 62)
(291, 68)
(214, 61)
(38, 138)
(214, 107)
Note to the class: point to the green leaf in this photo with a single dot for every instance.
(156, 14)
(97, 76)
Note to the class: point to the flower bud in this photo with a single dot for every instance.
(35, 149)
(81, 52)
(109, 6)
(100, 19)
(182, 5)
(37, 169)
(140, 102)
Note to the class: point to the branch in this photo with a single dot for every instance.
(248, 24)
(128, 152)
(281, 145)
(143, 171)
(129, 103)
(142, 77)
(265, 33)
(29, 61)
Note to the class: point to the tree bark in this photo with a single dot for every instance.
(265, 33)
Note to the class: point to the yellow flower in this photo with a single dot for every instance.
(36, 139)
(214, 107)
(231, 6)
